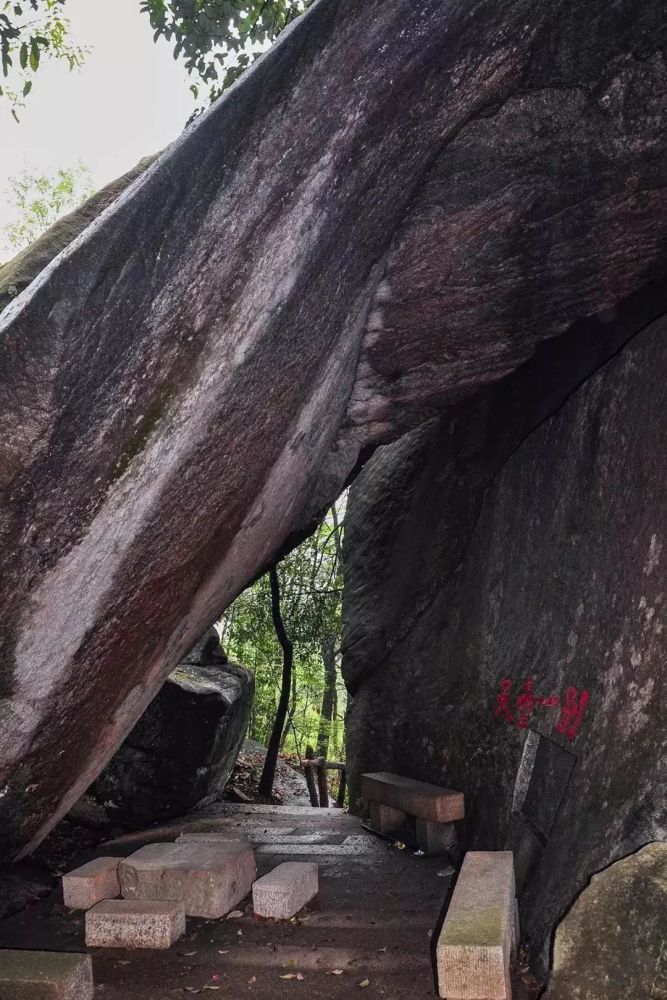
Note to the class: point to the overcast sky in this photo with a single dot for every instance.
(129, 99)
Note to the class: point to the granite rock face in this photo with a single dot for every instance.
(504, 620)
(183, 749)
(396, 207)
(611, 945)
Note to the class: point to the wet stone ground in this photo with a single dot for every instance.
(367, 933)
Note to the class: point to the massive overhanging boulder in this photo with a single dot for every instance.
(328, 256)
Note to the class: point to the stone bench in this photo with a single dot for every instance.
(480, 930)
(393, 797)
(45, 975)
(134, 923)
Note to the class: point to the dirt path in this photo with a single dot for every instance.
(367, 934)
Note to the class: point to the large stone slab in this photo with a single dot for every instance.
(135, 923)
(475, 945)
(431, 802)
(88, 884)
(285, 890)
(612, 943)
(45, 975)
(210, 879)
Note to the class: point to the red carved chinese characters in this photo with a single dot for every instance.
(572, 712)
(527, 702)
(504, 699)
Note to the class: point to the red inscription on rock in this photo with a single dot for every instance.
(527, 702)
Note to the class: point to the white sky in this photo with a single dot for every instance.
(129, 99)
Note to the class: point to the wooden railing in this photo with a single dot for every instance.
(315, 769)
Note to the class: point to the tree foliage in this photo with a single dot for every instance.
(311, 585)
(39, 199)
(218, 39)
(30, 30)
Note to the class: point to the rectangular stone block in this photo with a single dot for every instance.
(210, 879)
(475, 944)
(135, 923)
(441, 805)
(45, 975)
(384, 819)
(90, 883)
(285, 890)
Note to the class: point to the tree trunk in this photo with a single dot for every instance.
(329, 694)
(271, 759)
(290, 715)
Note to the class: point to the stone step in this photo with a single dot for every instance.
(480, 930)
(210, 879)
(234, 809)
(417, 798)
(87, 885)
(350, 847)
(134, 923)
(265, 837)
(212, 837)
(45, 975)
(285, 890)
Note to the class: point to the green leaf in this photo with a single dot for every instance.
(34, 56)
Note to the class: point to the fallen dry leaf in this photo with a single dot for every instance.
(235, 914)
(336, 972)
(364, 983)
(253, 980)
(293, 975)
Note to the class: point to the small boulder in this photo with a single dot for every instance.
(181, 752)
(610, 946)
